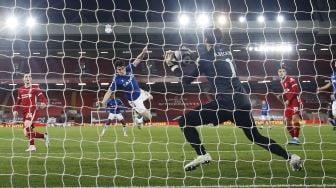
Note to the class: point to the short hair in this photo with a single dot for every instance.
(25, 72)
(120, 63)
(283, 66)
(213, 35)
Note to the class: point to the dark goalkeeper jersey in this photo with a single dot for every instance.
(218, 67)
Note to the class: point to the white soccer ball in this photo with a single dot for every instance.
(108, 28)
(139, 120)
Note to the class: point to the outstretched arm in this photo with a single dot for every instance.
(43, 98)
(107, 95)
(176, 68)
(140, 57)
(16, 107)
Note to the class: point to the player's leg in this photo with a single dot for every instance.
(296, 129)
(289, 126)
(202, 115)
(145, 115)
(293, 114)
(120, 118)
(263, 119)
(38, 134)
(289, 121)
(245, 121)
(28, 132)
(30, 117)
(140, 107)
(108, 122)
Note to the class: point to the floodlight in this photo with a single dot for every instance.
(280, 19)
(221, 20)
(242, 19)
(261, 19)
(30, 22)
(184, 20)
(11, 22)
(202, 20)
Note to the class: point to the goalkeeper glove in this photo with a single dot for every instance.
(170, 60)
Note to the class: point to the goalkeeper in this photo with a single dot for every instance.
(231, 103)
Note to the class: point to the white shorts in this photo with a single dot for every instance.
(264, 118)
(333, 108)
(112, 116)
(138, 104)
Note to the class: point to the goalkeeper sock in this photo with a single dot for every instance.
(192, 137)
(267, 143)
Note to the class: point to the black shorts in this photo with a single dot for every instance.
(217, 112)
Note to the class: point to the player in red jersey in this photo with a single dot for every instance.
(27, 98)
(293, 104)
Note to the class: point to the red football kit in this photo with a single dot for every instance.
(27, 98)
(292, 95)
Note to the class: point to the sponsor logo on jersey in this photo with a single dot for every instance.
(26, 96)
(222, 53)
(129, 80)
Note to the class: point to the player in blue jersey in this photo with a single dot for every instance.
(264, 113)
(332, 83)
(115, 106)
(124, 80)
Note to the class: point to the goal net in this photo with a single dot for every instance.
(70, 47)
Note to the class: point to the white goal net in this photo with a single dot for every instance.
(70, 48)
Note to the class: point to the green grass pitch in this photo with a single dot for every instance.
(155, 156)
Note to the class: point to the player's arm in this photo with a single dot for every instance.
(140, 57)
(326, 86)
(106, 97)
(16, 106)
(176, 68)
(108, 106)
(42, 98)
(281, 97)
(110, 92)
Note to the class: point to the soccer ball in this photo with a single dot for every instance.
(108, 28)
(139, 120)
